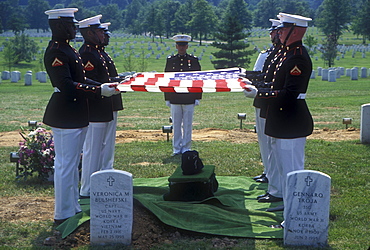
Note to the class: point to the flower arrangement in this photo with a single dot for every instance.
(36, 154)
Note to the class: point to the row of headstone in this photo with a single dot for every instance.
(15, 76)
(332, 74)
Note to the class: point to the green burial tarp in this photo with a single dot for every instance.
(233, 211)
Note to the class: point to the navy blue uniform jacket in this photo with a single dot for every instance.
(100, 110)
(68, 105)
(287, 115)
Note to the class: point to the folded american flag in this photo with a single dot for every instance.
(223, 80)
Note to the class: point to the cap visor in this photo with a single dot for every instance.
(182, 43)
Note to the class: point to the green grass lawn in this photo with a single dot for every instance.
(347, 162)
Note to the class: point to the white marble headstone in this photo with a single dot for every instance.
(111, 207)
(365, 124)
(28, 79)
(354, 73)
(319, 70)
(313, 74)
(332, 77)
(15, 76)
(306, 208)
(5, 75)
(42, 76)
(325, 74)
(363, 72)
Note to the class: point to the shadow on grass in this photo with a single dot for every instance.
(176, 159)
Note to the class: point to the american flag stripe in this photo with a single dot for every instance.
(226, 80)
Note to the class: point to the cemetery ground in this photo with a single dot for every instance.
(143, 150)
(26, 207)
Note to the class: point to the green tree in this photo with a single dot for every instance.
(232, 51)
(17, 22)
(168, 9)
(310, 43)
(332, 18)
(35, 14)
(182, 18)
(5, 11)
(9, 54)
(131, 14)
(297, 7)
(360, 25)
(202, 19)
(266, 9)
(155, 23)
(329, 50)
(240, 9)
(20, 48)
(111, 13)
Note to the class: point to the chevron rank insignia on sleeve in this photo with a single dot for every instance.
(295, 71)
(56, 62)
(89, 66)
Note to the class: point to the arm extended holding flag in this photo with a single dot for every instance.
(223, 80)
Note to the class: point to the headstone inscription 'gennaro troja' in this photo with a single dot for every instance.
(111, 207)
(306, 208)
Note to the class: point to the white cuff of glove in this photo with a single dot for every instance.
(108, 89)
(250, 91)
(168, 104)
(197, 102)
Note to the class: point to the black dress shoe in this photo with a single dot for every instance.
(58, 222)
(275, 209)
(262, 195)
(259, 176)
(262, 179)
(84, 197)
(270, 198)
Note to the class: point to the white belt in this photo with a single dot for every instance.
(301, 96)
(56, 90)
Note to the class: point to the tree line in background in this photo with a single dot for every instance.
(203, 19)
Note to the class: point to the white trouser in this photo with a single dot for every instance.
(273, 173)
(109, 144)
(289, 156)
(182, 122)
(92, 154)
(262, 139)
(68, 147)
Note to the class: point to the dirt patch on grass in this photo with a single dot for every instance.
(148, 231)
(9, 139)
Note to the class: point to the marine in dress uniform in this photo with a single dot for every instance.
(263, 63)
(67, 110)
(101, 109)
(288, 120)
(110, 139)
(182, 104)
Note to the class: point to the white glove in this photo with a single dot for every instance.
(168, 104)
(197, 102)
(108, 89)
(250, 91)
